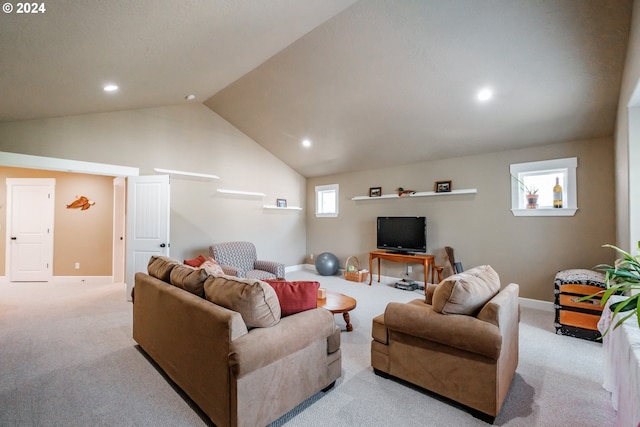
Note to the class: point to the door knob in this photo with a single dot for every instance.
(162, 245)
(14, 238)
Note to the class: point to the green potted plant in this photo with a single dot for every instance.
(623, 277)
(530, 193)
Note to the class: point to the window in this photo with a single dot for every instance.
(327, 200)
(540, 178)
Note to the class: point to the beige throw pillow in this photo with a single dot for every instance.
(467, 292)
(255, 300)
(189, 279)
(160, 267)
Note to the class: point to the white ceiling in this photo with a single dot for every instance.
(372, 83)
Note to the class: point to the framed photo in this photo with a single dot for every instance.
(442, 187)
(375, 191)
(281, 203)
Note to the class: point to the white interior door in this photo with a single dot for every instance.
(147, 222)
(30, 211)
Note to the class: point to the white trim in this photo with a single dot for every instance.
(323, 188)
(545, 212)
(87, 280)
(64, 165)
(570, 204)
(293, 268)
(537, 304)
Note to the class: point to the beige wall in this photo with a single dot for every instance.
(79, 236)
(627, 169)
(480, 227)
(189, 138)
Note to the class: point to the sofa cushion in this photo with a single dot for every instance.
(211, 266)
(295, 297)
(189, 279)
(195, 262)
(160, 267)
(467, 292)
(255, 300)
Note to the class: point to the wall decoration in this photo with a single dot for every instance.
(403, 192)
(281, 203)
(81, 202)
(442, 187)
(375, 191)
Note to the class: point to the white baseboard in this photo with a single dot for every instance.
(89, 280)
(295, 268)
(537, 304)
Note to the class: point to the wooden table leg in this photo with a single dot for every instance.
(370, 269)
(347, 319)
(426, 272)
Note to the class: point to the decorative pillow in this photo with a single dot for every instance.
(195, 262)
(189, 279)
(428, 295)
(467, 292)
(212, 267)
(295, 297)
(255, 300)
(160, 267)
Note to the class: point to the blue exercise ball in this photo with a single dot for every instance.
(327, 264)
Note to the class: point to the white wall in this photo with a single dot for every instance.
(627, 143)
(190, 138)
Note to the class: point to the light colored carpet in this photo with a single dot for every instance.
(67, 359)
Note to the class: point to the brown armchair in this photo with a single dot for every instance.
(461, 342)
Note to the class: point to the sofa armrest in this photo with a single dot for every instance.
(270, 266)
(229, 270)
(263, 346)
(460, 331)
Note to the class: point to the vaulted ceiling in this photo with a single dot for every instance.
(370, 84)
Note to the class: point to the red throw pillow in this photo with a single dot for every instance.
(295, 297)
(196, 262)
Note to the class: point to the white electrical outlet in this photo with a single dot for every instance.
(311, 256)
(409, 269)
(77, 266)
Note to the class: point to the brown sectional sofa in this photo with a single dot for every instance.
(460, 342)
(243, 364)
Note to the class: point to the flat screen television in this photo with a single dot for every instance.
(403, 234)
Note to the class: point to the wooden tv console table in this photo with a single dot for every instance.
(428, 261)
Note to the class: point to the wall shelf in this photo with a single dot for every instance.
(241, 193)
(193, 174)
(290, 208)
(418, 194)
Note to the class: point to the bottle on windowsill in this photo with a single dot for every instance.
(557, 194)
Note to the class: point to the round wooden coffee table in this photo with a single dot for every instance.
(339, 303)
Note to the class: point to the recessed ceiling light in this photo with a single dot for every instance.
(190, 97)
(306, 143)
(485, 94)
(110, 88)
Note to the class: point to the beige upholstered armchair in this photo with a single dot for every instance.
(461, 342)
(240, 259)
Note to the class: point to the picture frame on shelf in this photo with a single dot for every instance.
(281, 203)
(375, 191)
(442, 187)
